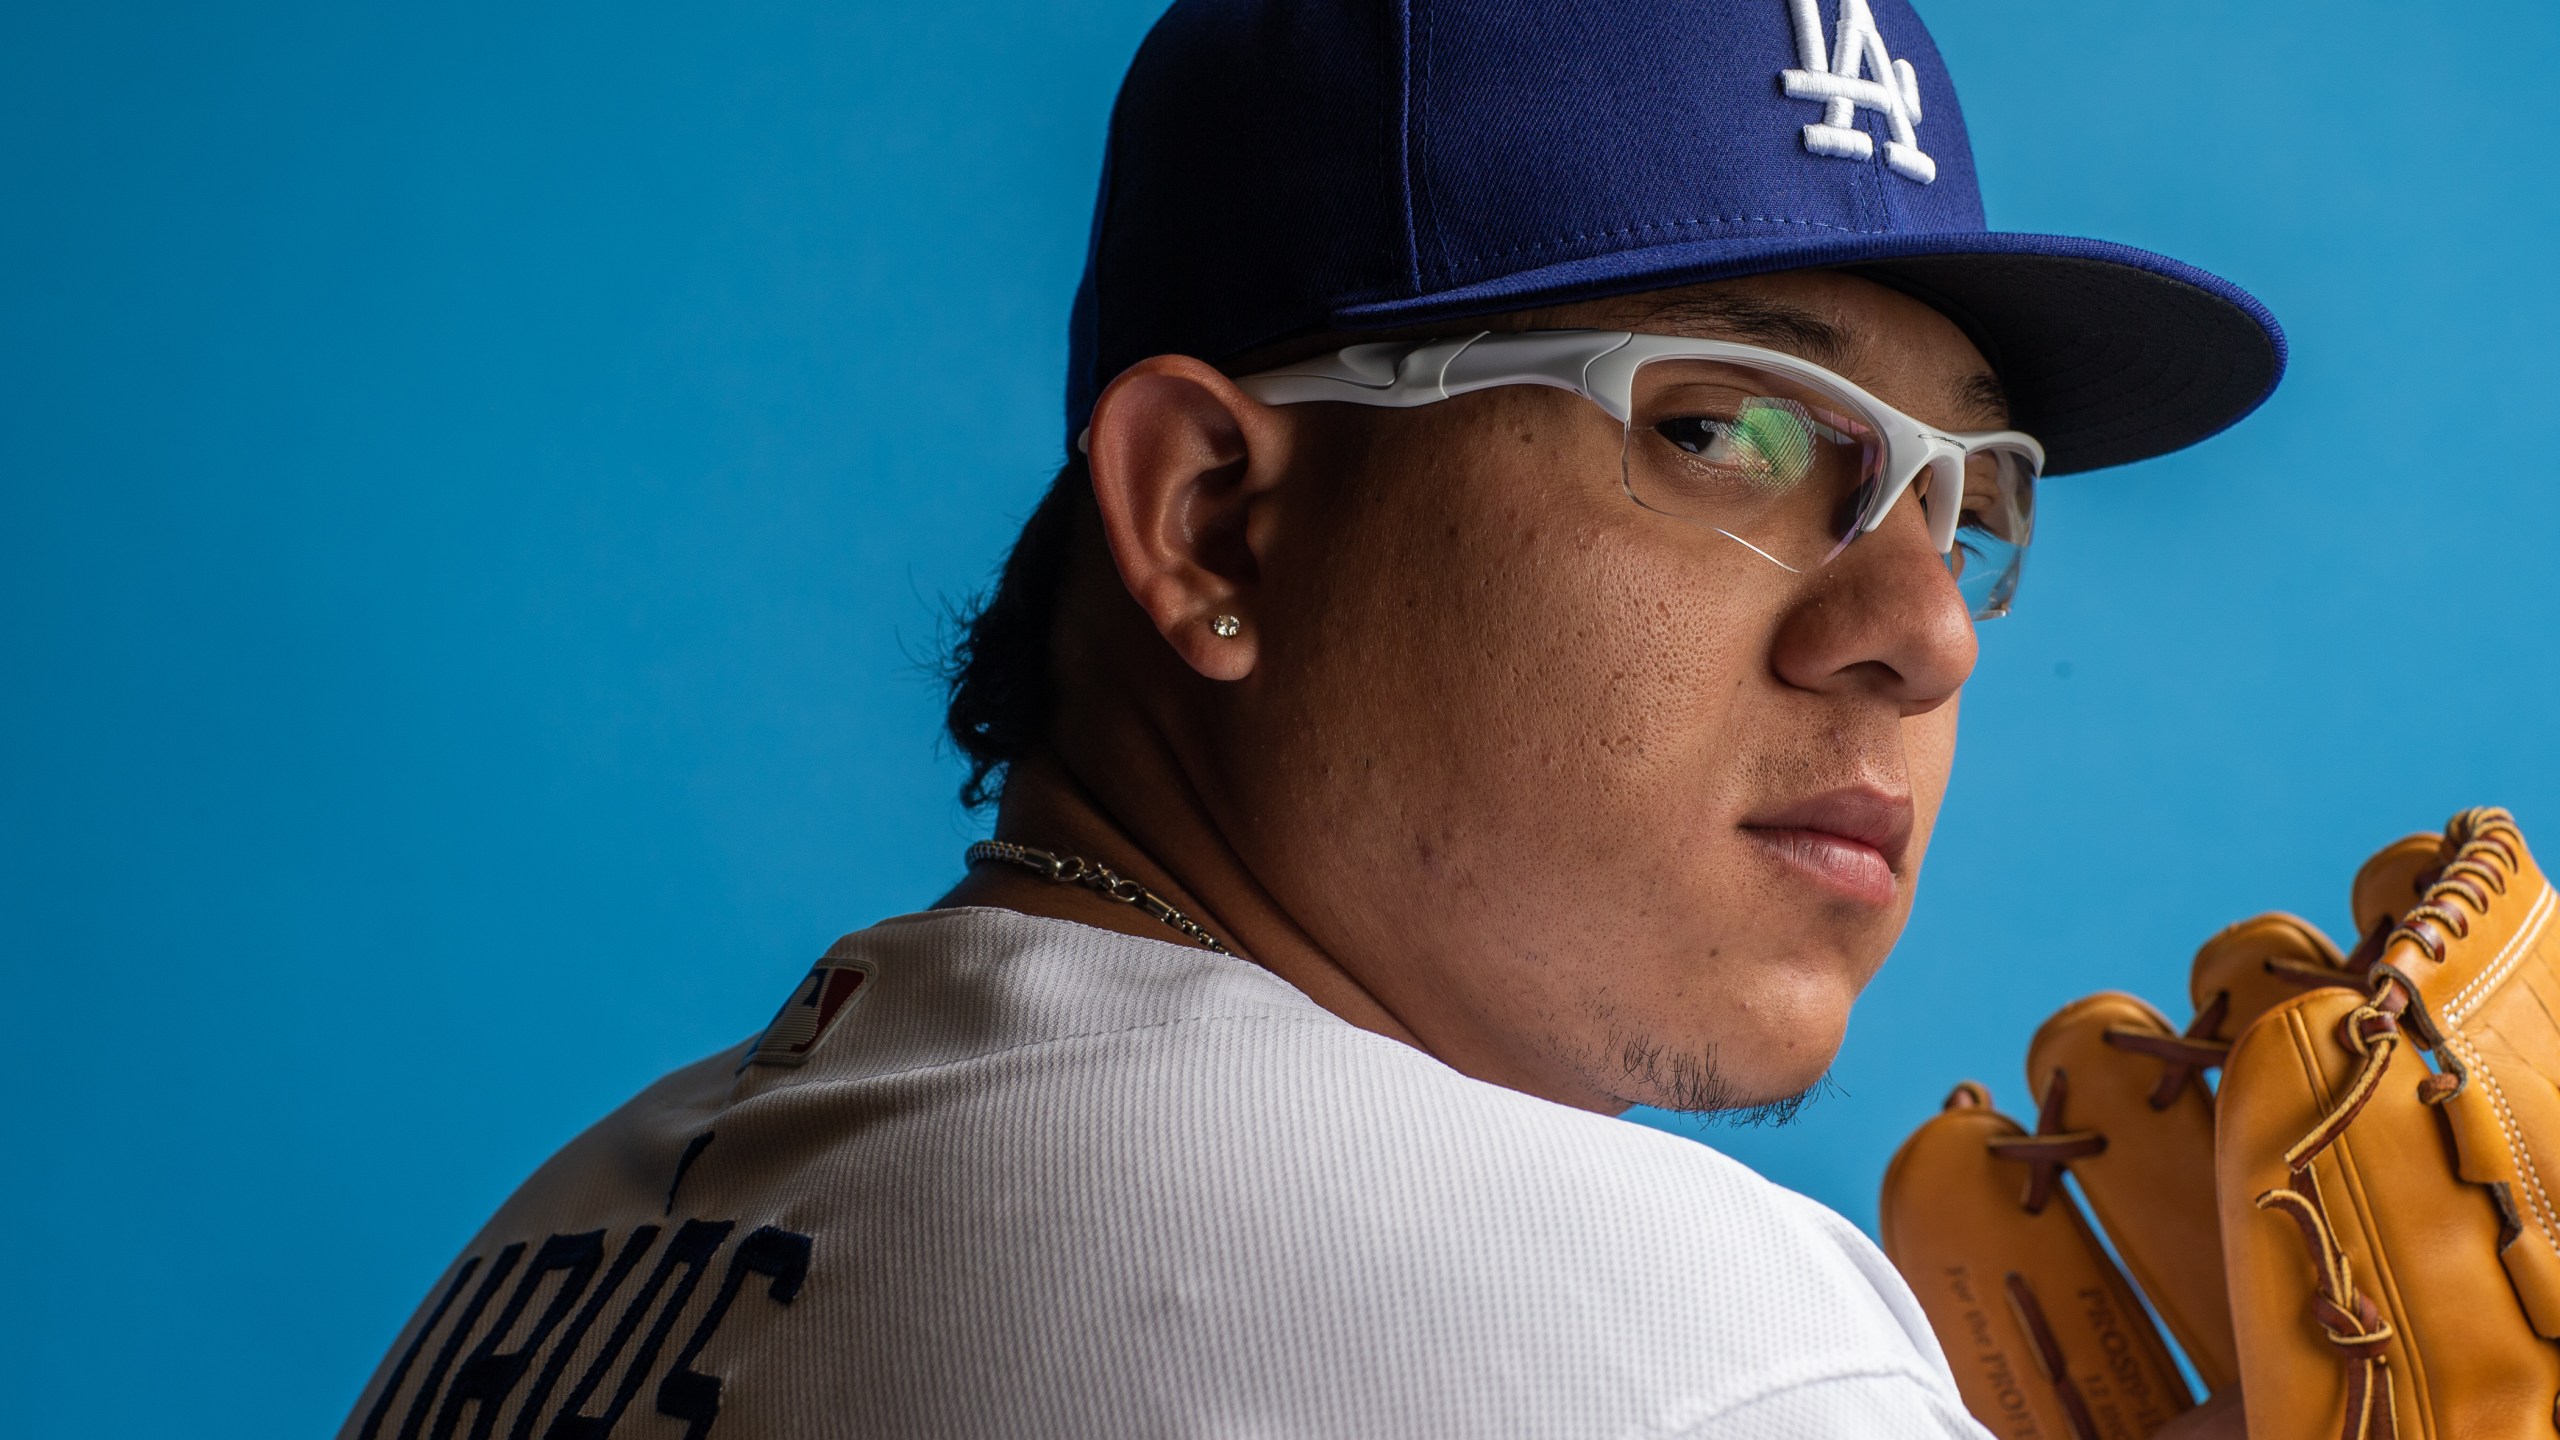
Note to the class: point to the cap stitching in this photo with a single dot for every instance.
(1688, 224)
(1404, 143)
(1423, 170)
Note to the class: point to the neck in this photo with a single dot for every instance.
(1172, 849)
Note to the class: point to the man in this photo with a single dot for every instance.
(1493, 660)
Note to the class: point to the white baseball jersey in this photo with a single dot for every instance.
(993, 1175)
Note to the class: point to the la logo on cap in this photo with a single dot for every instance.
(1852, 73)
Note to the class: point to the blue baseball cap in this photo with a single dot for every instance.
(1291, 167)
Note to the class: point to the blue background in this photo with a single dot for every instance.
(480, 489)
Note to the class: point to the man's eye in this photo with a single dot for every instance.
(1693, 434)
(1768, 444)
(1699, 436)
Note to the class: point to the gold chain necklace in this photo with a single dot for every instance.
(1101, 880)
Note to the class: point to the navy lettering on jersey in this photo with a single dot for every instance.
(779, 1256)
(381, 1410)
(692, 1151)
(486, 1378)
(478, 1368)
(695, 1242)
(427, 1388)
(539, 1398)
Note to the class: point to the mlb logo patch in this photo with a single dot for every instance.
(832, 987)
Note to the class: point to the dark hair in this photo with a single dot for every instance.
(1003, 687)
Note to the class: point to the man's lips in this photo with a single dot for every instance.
(1851, 840)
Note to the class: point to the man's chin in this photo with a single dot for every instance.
(1781, 1111)
(1694, 1079)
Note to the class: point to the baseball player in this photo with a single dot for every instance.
(1490, 659)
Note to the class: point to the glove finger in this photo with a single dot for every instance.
(2044, 1333)
(2389, 885)
(2252, 967)
(2112, 1065)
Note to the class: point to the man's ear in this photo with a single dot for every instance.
(1179, 458)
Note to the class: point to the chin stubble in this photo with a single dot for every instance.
(1689, 1082)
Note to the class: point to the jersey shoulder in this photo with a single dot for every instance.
(1028, 1177)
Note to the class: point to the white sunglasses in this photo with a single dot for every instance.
(1769, 450)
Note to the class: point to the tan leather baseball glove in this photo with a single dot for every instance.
(2354, 1228)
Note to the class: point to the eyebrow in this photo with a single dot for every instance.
(1749, 318)
(1802, 332)
(1984, 395)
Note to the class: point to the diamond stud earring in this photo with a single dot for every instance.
(1226, 627)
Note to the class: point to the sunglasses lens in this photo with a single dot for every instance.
(1771, 441)
(1776, 464)
(1796, 470)
(1992, 523)
(1992, 530)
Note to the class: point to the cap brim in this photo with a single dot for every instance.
(2110, 354)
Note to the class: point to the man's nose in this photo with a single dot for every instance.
(1884, 618)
